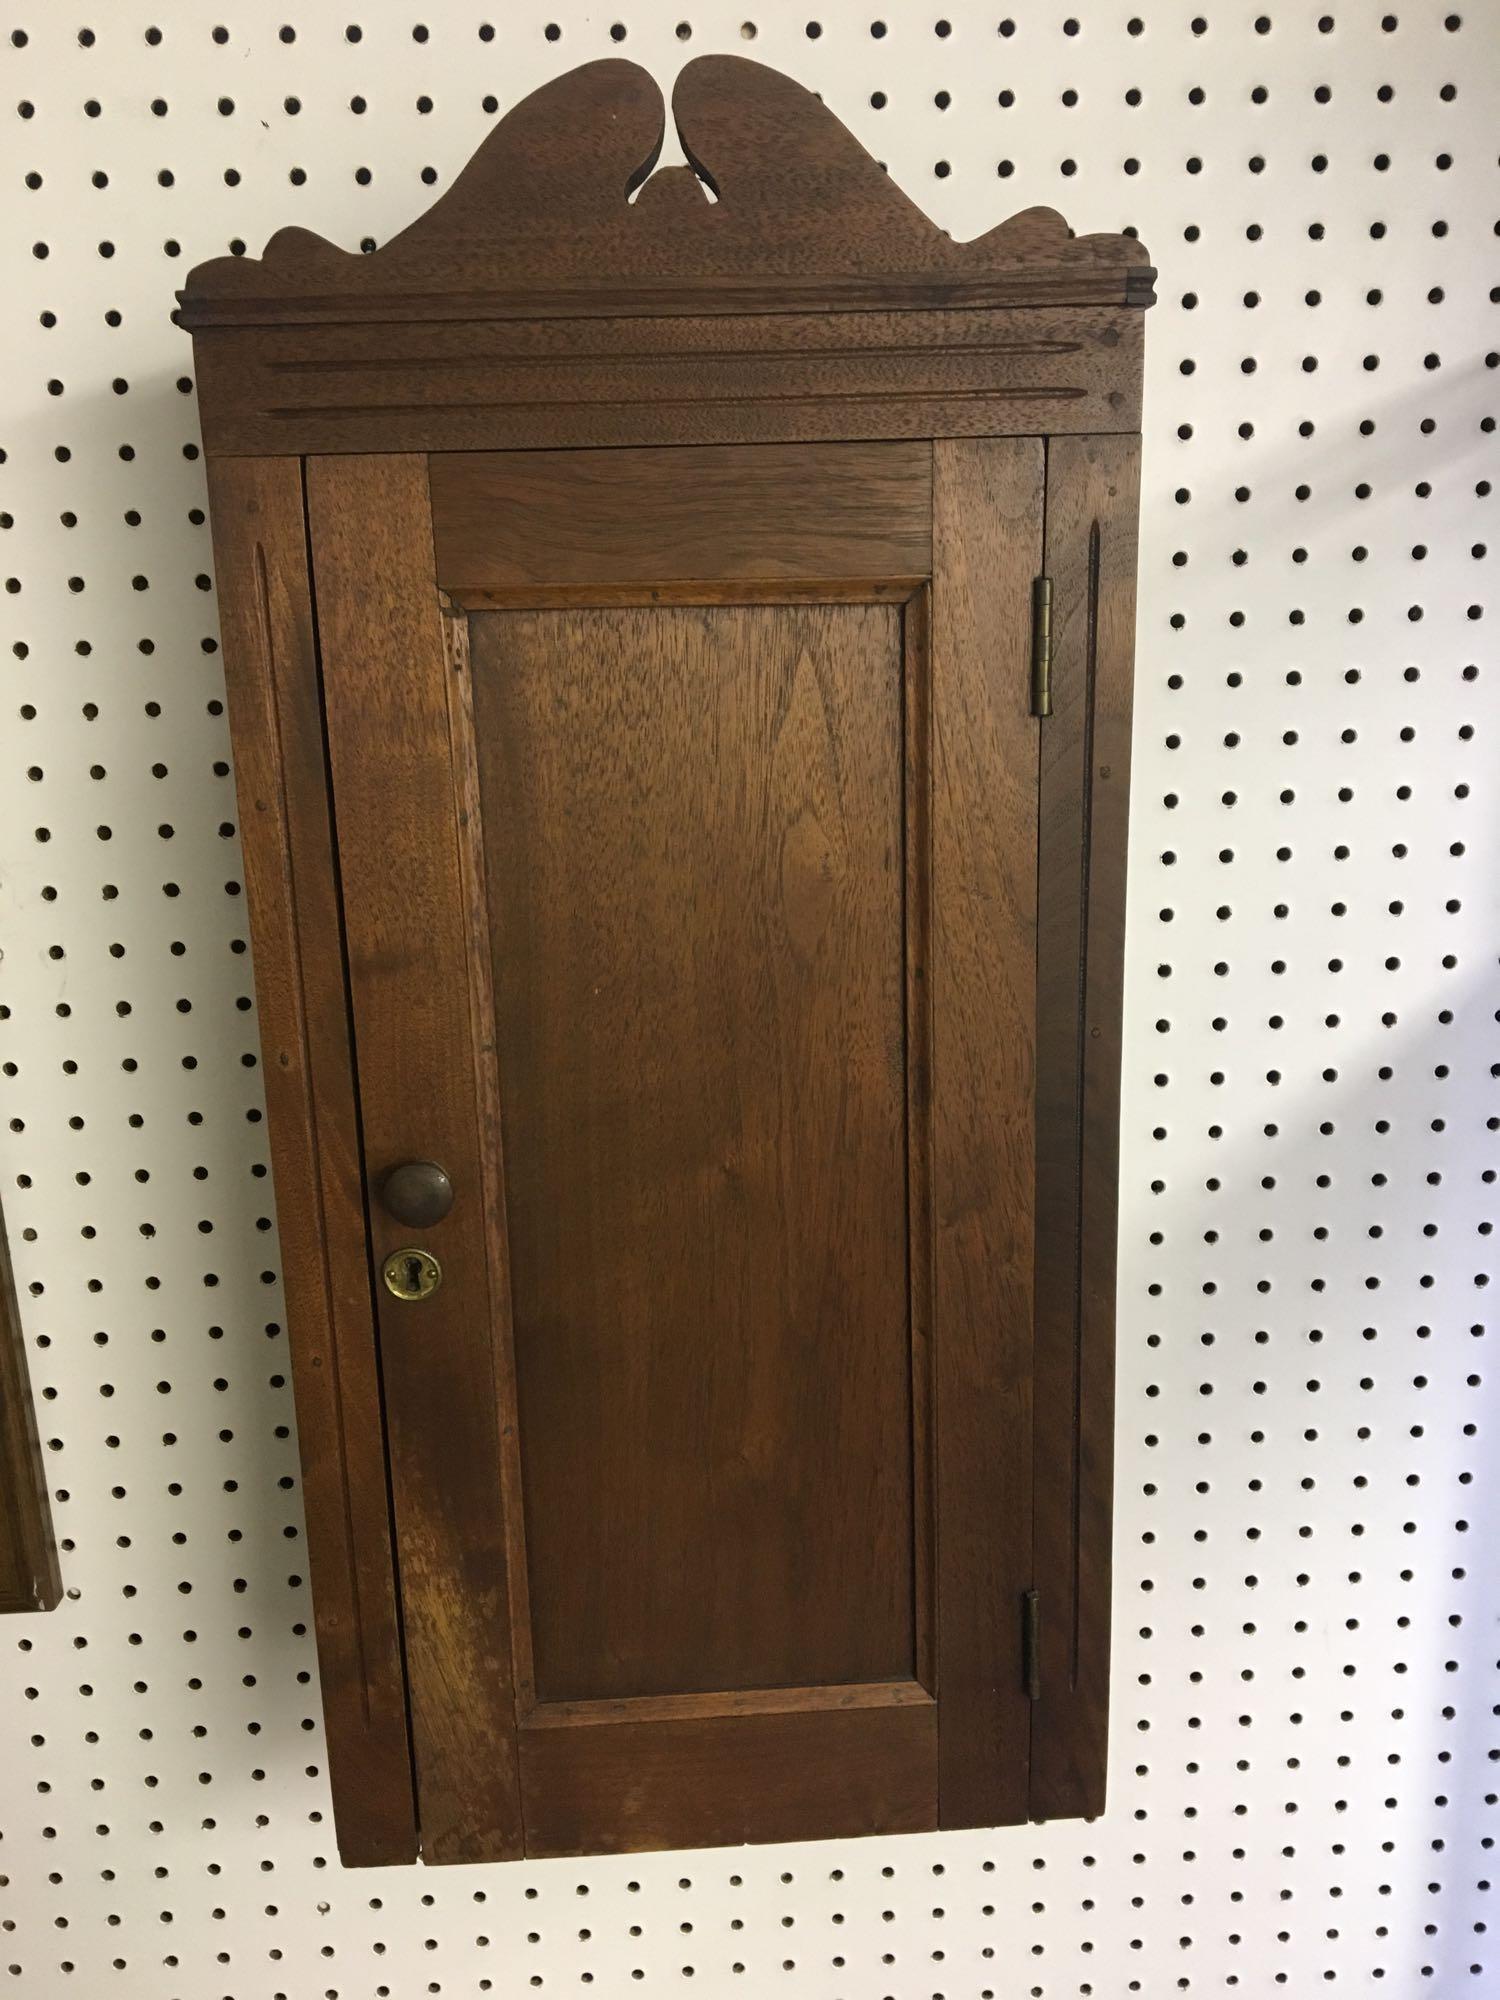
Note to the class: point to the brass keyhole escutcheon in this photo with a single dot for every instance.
(411, 1274)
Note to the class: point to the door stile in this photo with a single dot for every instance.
(479, 923)
(987, 546)
(386, 698)
(1084, 779)
(271, 669)
(916, 652)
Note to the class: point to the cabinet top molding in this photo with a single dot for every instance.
(781, 210)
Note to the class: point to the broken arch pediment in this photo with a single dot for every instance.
(803, 214)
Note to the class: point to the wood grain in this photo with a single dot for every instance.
(677, 884)
(29, 1577)
(535, 307)
(804, 216)
(920, 1224)
(385, 688)
(477, 385)
(260, 547)
(1091, 556)
(493, 1214)
(729, 1702)
(716, 513)
(711, 947)
(693, 831)
(706, 591)
(987, 502)
(818, 1773)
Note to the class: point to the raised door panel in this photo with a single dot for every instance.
(693, 835)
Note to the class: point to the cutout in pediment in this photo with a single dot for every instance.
(800, 213)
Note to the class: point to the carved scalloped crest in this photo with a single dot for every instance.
(542, 214)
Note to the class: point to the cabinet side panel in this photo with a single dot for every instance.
(987, 543)
(270, 658)
(1091, 551)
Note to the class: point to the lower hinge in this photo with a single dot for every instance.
(1041, 646)
(1031, 1643)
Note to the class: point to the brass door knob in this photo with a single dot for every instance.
(417, 1193)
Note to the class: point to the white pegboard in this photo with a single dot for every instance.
(1303, 1784)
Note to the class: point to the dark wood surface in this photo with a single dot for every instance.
(659, 836)
(534, 306)
(987, 546)
(509, 520)
(275, 708)
(701, 943)
(539, 222)
(681, 1767)
(29, 1578)
(1091, 556)
(901, 591)
(715, 1449)
(491, 1189)
(693, 839)
(694, 836)
(719, 1780)
(747, 378)
(386, 673)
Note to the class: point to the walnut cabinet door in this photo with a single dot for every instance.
(686, 807)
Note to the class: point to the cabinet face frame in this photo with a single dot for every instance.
(531, 310)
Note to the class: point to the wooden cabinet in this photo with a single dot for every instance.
(679, 654)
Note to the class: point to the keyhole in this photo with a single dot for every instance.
(411, 1274)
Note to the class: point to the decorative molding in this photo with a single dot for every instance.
(540, 224)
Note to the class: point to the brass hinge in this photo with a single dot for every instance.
(1031, 1643)
(1041, 646)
